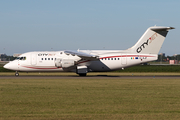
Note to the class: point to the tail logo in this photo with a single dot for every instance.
(153, 37)
(149, 41)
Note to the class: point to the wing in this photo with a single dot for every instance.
(82, 55)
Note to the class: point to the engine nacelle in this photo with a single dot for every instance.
(64, 63)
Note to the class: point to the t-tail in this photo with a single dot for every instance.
(151, 41)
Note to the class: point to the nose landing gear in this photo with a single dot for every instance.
(16, 74)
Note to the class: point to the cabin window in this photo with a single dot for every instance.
(111, 58)
(51, 58)
(108, 58)
(41, 58)
(118, 58)
(45, 58)
(114, 58)
(48, 58)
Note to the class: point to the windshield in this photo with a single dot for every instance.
(21, 58)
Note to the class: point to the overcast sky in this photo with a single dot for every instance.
(50, 25)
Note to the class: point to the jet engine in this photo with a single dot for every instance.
(64, 63)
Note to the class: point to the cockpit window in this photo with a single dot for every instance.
(21, 58)
(17, 58)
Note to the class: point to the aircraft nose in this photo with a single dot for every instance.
(13, 65)
(7, 66)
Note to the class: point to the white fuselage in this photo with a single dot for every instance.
(108, 61)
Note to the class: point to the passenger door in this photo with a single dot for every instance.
(33, 59)
(124, 59)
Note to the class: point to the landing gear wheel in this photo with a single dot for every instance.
(16, 74)
(82, 74)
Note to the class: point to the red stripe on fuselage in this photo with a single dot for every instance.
(127, 56)
(40, 68)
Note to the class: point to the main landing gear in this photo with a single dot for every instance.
(82, 74)
(16, 74)
(82, 70)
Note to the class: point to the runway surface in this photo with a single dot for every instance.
(89, 77)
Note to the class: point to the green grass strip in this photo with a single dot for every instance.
(97, 99)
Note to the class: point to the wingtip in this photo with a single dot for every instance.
(172, 27)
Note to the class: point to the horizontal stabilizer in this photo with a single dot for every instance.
(161, 28)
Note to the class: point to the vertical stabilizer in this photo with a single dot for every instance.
(151, 41)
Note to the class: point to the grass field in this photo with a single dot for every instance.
(92, 74)
(100, 98)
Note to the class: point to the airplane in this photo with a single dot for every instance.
(84, 61)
